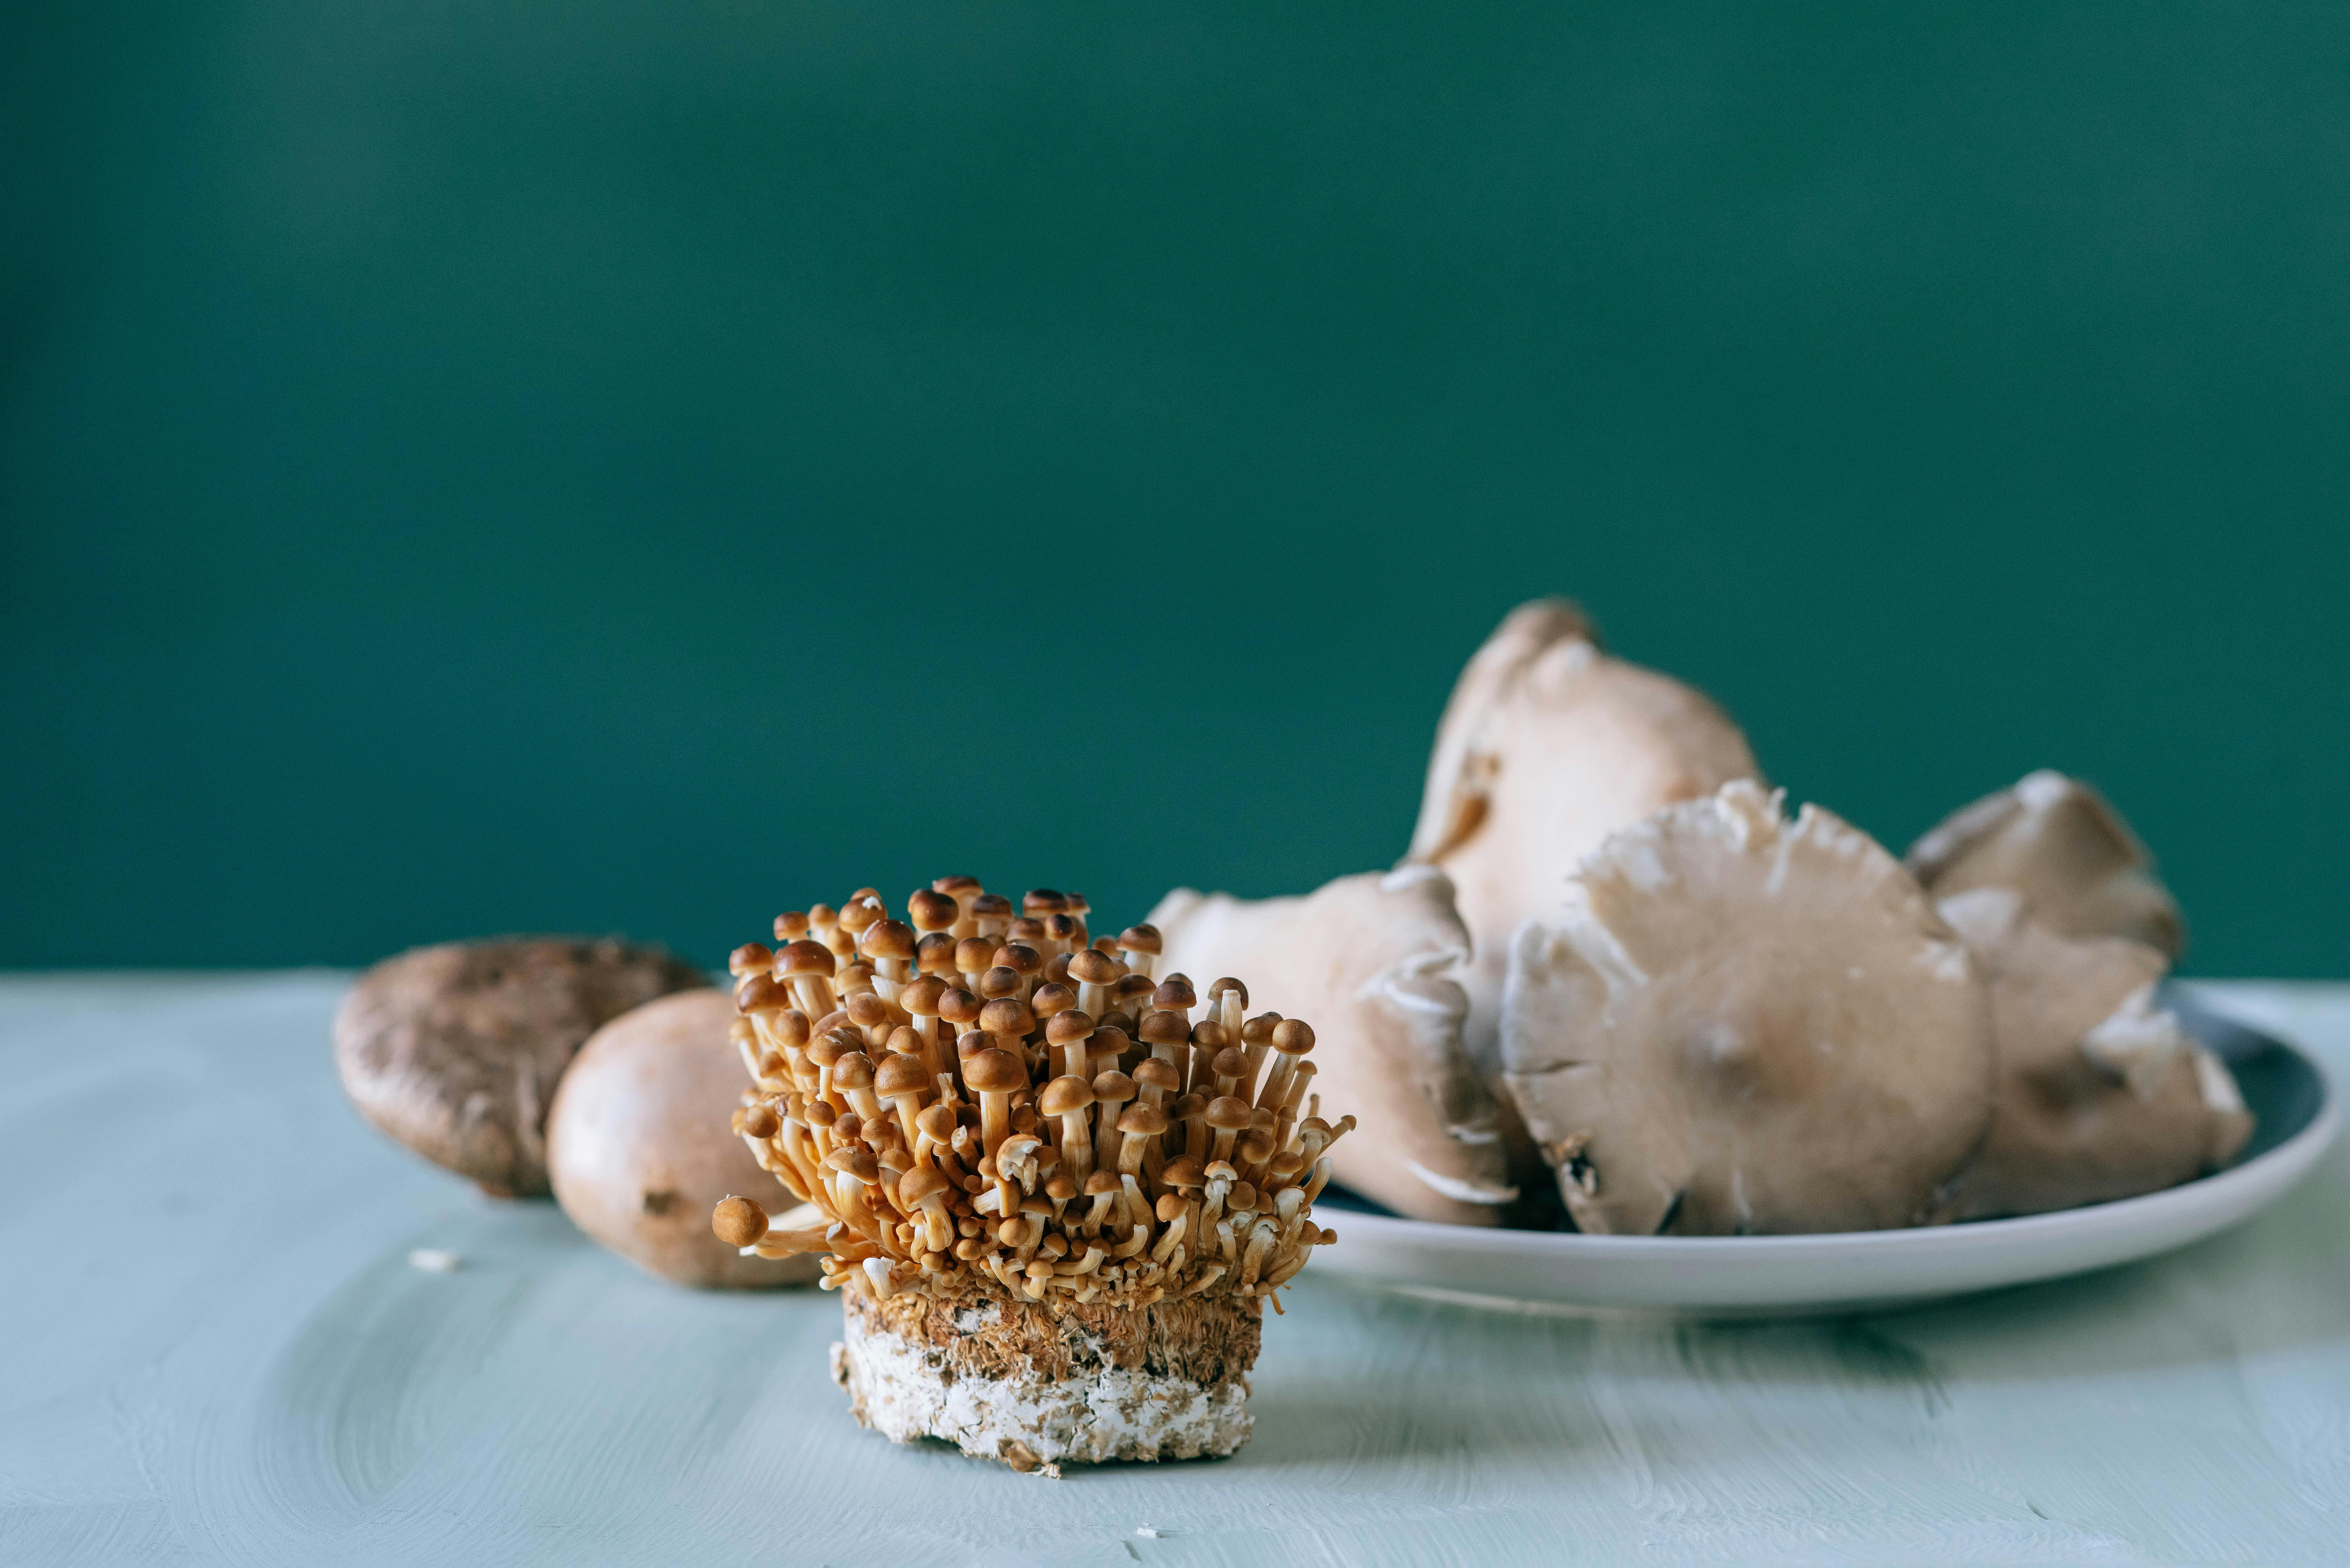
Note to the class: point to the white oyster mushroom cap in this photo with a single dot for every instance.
(1547, 746)
(2076, 865)
(1371, 961)
(1740, 1025)
(2100, 1094)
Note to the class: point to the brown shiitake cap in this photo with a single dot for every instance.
(1228, 1114)
(1060, 1190)
(1165, 1028)
(935, 954)
(1209, 1036)
(1183, 1171)
(888, 940)
(856, 1161)
(900, 1074)
(1042, 902)
(920, 1182)
(738, 1221)
(931, 910)
(1061, 928)
(920, 995)
(761, 1121)
(1007, 1015)
(1049, 1000)
(989, 905)
(1094, 967)
(998, 981)
(1142, 1120)
(853, 1071)
(1113, 1086)
(1293, 1037)
(1258, 1031)
(1191, 1107)
(1139, 939)
(791, 926)
(748, 958)
(1065, 1097)
(993, 1072)
(865, 1010)
(1159, 1073)
(957, 888)
(792, 1025)
(1228, 1063)
(805, 958)
(959, 1007)
(1026, 930)
(936, 1123)
(1225, 984)
(1175, 994)
(1101, 1183)
(761, 993)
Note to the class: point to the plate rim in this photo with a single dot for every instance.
(2262, 1178)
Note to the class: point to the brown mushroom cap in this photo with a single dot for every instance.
(1373, 961)
(456, 1050)
(1547, 746)
(1745, 1025)
(900, 1074)
(1155, 1072)
(2100, 1094)
(1094, 967)
(993, 1072)
(1142, 1120)
(923, 1181)
(1065, 1096)
(639, 1149)
(1226, 1114)
(2079, 869)
(805, 958)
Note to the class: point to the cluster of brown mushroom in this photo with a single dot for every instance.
(980, 1097)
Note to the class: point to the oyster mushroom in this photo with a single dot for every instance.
(1742, 1025)
(456, 1050)
(637, 1148)
(2076, 865)
(2100, 1094)
(1373, 960)
(1547, 747)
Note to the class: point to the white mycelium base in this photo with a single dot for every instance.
(1014, 1382)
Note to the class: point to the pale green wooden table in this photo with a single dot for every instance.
(217, 1352)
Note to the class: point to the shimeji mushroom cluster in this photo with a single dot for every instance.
(981, 1096)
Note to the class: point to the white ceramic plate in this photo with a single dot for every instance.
(2298, 1114)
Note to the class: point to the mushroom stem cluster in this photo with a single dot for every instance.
(980, 1097)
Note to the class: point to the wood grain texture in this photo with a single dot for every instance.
(219, 1354)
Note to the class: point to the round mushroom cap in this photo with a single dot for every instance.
(921, 1181)
(456, 1051)
(1006, 1015)
(931, 909)
(1067, 1027)
(959, 1007)
(805, 958)
(1293, 1037)
(1142, 1120)
(1001, 982)
(1189, 1107)
(1050, 1001)
(922, 995)
(1228, 1114)
(639, 1153)
(1019, 958)
(1209, 1036)
(1164, 1028)
(900, 1074)
(888, 940)
(1175, 995)
(993, 1072)
(1228, 1063)
(1114, 1087)
(1094, 967)
(2076, 865)
(974, 954)
(865, 1010)
(1156, 1072)
(936, 1123)
(1065, 1096)
(1100, 1182)
(1743, 1025)
(738, 1221)
(1142, 938)
(854, 1070)
(2100, 1093)
(1183, 1171)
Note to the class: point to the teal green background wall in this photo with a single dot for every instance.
(487, 466)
